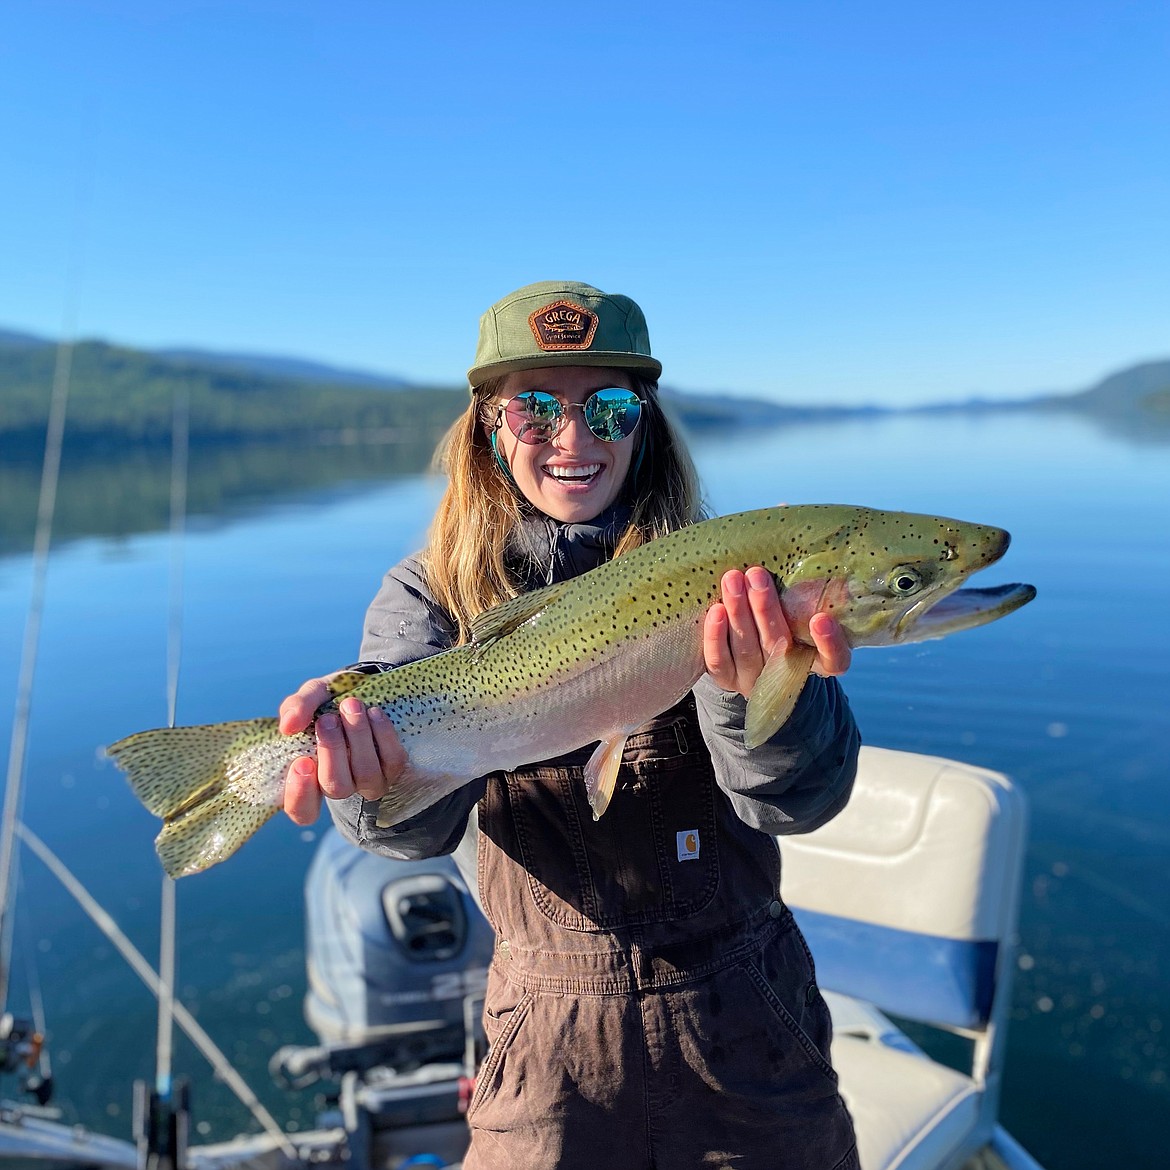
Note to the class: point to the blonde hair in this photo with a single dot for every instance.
(464, 558)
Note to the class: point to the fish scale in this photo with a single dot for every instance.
(588, 661)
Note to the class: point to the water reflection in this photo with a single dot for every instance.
(118, 493)
(1068, 696)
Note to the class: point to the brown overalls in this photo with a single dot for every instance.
(651, 1004)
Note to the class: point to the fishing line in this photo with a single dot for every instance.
(180, 456)
(102, 920)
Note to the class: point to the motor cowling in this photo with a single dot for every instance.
(396, 951)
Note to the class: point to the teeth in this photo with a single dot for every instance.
(585, 472)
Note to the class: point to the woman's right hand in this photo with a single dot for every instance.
(358, 750)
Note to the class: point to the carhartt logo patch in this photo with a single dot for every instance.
(563, 325)
(688, 845)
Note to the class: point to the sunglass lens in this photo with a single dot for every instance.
(613, 414)
(533, 417)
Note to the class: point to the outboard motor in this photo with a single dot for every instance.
(396, 950)
(397, 955)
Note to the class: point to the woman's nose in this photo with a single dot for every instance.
(573, 430)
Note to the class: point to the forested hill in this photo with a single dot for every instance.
(120, 397)
(1144, 387)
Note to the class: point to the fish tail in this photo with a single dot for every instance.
(213, 785)
(209, 833)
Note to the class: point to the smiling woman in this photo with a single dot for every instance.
(562, 462)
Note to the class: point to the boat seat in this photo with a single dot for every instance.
(909, 900)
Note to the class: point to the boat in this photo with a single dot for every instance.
(909, 901)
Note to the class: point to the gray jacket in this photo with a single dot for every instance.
(798, 780)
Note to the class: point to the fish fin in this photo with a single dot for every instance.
(776, 692)
(208, 833)
(601, 773)
(347, 681)
(494, 623)
(214, 785)
(170, 767)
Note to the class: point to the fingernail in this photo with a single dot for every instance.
(303, 766)
(733, 584)
(377, 714)
(351, 706)
(328, 722)
(758, 579)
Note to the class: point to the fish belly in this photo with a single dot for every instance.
(475, 735)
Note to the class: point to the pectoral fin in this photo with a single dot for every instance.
(601, 773)
(775, 693)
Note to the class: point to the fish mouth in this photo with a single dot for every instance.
(962, 609)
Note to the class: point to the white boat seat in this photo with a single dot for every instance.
(909, 900)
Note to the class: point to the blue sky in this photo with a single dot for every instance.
(813, 201)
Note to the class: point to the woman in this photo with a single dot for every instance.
(651, 1002)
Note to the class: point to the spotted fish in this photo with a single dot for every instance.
(588, 661)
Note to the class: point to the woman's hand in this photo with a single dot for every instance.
(744, 629)
(358, 750)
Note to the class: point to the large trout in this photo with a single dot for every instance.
(588, 660)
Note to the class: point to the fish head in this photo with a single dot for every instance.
(895, 577)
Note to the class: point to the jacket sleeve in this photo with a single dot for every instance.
(798, 780)
(405, 623)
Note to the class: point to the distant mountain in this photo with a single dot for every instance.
(701, 412)
(120, 390)
(1142, 387)
(121, 397)
(282, 367)
(11, 339)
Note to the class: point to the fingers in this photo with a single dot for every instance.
(302, 795)
(297, 711)
(834, 654)
(771, 625)
(744, 629)
(348, 760)
(743, 634)
(716, 649)
(358, 750)
(333, 772)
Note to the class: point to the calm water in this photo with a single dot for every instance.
(1069, 696)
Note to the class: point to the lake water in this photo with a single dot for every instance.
(1068, 696)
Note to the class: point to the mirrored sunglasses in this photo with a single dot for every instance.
(535, 416)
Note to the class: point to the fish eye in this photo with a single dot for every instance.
(904, 580)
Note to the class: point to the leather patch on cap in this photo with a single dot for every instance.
(563, 325)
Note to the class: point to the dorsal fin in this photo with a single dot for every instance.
(503, 619)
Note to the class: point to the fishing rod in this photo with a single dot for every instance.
(162, 1117)
(42, 539)
(17, 749)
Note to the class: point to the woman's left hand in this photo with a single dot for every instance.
(743, 630)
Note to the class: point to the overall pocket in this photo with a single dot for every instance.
(784, 979)
(503, 1016)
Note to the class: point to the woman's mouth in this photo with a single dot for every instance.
(581, 475)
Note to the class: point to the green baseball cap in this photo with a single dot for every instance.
(561, 323)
